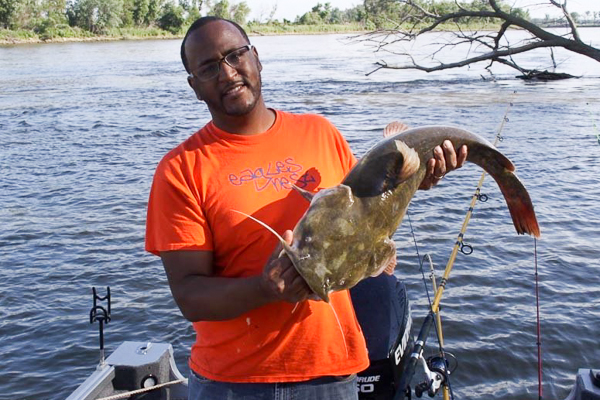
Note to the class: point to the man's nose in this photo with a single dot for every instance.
(227, 71)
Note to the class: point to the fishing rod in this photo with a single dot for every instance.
(436, 368)
(459, 244)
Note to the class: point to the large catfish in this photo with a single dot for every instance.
(345, 235)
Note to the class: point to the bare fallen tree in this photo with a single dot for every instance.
(422, 18)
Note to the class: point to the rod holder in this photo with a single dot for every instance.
(100, 314)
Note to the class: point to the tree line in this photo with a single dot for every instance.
(99, 16)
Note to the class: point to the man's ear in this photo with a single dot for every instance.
(257, 58)
(191, 83)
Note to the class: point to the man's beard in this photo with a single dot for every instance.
(237, 108)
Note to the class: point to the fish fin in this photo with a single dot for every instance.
(411, 161)
(394, 128)
(304, 193)
(519, 203)
(384, 171)
(391, 264)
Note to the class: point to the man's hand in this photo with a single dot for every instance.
(280, 280)
(442, 162)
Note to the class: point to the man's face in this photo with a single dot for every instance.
(234, 91)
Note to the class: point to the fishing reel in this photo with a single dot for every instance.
(435, 373)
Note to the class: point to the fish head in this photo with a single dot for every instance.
(319, 245)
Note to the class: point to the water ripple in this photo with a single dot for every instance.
(82, 136)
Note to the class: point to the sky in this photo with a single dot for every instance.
(289, 9)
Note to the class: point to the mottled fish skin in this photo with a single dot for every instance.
(344, 236)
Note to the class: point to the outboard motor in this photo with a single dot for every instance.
(383, 311)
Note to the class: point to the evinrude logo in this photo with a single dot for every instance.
(366, 384)
(405, 336)
(368, 379)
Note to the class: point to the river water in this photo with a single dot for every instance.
(83, 125)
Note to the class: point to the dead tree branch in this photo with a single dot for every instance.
(425, 18)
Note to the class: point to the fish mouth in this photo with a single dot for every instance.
(292, 253)
(320, 292)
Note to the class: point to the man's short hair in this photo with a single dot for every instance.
(199, 23)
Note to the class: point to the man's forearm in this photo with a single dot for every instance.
(207, 298)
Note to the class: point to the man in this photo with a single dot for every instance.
(259, 333)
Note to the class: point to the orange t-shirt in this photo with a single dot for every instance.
(197, 185)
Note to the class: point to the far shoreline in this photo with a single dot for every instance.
(322, 30)
(9, 42)
(10, 38)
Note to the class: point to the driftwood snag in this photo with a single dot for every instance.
(422, 19)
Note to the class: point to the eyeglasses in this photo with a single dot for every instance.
(234, 59)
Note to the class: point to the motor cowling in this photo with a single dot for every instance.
(383, 311)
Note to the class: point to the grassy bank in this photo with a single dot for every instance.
(65, 33)
(280, 29)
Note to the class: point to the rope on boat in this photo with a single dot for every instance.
(144, 390)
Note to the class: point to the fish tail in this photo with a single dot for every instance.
(519, 204)
(501, 169)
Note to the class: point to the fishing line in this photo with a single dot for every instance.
(594, 123)
(434, 308)
(436, 321)
(537, 306)
(458, 245)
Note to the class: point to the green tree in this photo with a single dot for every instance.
(127, 13)
(309, 18)
(140, 12)
(26, 15)
(191, 9)
(171, 18)
(8, 9)
(96, 15)
(239, 12)
(324, 11)
(55, 10)
(336, 16)
(576, 16)
(355, 14)
(154, 7)
(220, 9)
(382, 12)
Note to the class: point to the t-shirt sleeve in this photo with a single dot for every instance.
(343, 148)
(175, 219)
